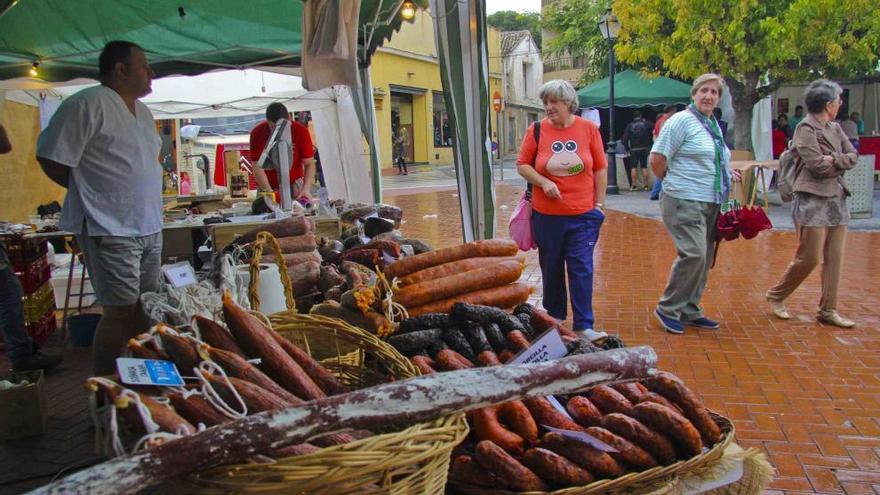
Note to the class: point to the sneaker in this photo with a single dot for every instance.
(833, 318)
(702, 322)
(590, 334)
(634, 188)
(670, 324)
(646, 188)
(37, 361)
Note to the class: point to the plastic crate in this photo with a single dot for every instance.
(33, 275)
(23, 250)
(43, 328)
(40, 302)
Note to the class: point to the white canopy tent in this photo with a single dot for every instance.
(245, 92)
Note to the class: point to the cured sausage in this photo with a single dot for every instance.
(598, 463)
(488, 427)
(465, 469)
(449, 360)
(318, 373)
(609, 400)
(659, 399)
(236, 366)
(218, 337)
(516, 476)
(584, 412)
(484, 248)
(631, 429)
(504, 296)
(517, 416)
(454, 267)
(633, 391)
(555, 468)
(196, 409)
(545, 414)
(662, 418)
(671, 387)
(627, 452)
(517, 341)
(485, 277)
(424, 363)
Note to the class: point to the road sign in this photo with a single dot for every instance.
(496, 101)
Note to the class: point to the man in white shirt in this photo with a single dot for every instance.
(102, 145)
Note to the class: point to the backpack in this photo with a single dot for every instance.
(640, 134)
(789, 170)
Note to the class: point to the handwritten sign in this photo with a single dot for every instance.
(134, 371)
(547, 347)
(179, 274)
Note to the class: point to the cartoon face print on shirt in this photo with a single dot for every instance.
(565, 161)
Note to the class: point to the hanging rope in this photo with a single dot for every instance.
(211, 395)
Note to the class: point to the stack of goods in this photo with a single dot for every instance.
(29, 260)
(481, 272)
(229, 386)
(618, 429)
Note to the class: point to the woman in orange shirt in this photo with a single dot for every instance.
(568, 168)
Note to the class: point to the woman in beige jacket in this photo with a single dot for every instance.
(822, 153)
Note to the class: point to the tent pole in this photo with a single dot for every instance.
(367, 113)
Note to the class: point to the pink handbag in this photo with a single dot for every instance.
(520, 226)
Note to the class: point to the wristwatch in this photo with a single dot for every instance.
(601, 206)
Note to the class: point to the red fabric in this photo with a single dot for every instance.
(779, 139)
(870, 145)
(220, 165)
(302, 148)
(571, 170)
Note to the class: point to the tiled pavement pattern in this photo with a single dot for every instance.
(806, 394)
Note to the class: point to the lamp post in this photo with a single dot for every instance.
(609, 25)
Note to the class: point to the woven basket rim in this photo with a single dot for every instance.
(627, 480)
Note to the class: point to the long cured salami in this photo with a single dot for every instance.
(404, 402)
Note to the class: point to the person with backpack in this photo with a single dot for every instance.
(563, 157)
(812, 172)
(637, 140)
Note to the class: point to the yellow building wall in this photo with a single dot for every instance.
(410, 59)
(23, 185)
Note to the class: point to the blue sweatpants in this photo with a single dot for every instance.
(565, 243)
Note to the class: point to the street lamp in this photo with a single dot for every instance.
(609, 25)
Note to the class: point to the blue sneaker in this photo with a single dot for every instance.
(670, 324)
(702, 323)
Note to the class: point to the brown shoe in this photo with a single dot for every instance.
(833, 318)
(778, 309)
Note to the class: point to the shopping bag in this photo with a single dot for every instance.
(520, 226)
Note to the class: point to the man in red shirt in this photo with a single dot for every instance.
(302, 166)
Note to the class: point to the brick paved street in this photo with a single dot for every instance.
(807, 394)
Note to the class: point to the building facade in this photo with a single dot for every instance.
(523, 75)
(408, 94)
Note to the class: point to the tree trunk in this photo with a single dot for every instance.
(744, 95)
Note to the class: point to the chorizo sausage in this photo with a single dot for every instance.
(633, 430)
(487, 426)
(545, 414)
(502, 464)
(609, 400)
(555, 468)
(598, 463)
(633, 391)
(517, 416)
(658, 399)
(583, 411)
(627, 452)
(465, 469)
(671, 387)
(662, 418)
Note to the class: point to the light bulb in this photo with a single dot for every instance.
(407, 11)
(34, 71)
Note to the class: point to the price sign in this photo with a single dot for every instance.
(179, 274)
(148, 372)
(547, 347)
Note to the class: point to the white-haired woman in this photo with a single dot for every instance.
(691, 158)
(567, 166)
(822, 153)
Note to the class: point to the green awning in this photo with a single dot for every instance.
(66, 36)
(632, 89)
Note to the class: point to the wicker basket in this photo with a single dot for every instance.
(643, 481)
(410, 461)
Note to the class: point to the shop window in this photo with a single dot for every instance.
(442, 129)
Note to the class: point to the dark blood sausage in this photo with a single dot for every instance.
(662, 418)
(627, 452)
(545, 414)
(456, 340)
(633, 430)
(495, 336)
(555, 468)
(424, 322)
(487, 314)
(502, 464)
(411, 343)
(598, 463)
(609, 400)
(633, 391)
(671, 387)
(584, 412)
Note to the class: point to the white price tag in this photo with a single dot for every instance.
(179, 274)
(134, 371)
(559, 407)
(547, 347)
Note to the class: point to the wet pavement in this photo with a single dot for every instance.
(806, 394)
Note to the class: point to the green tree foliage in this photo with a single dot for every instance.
(757, 45)
(508, 20)
(576, 36)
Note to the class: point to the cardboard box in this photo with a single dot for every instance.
(23, 410)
